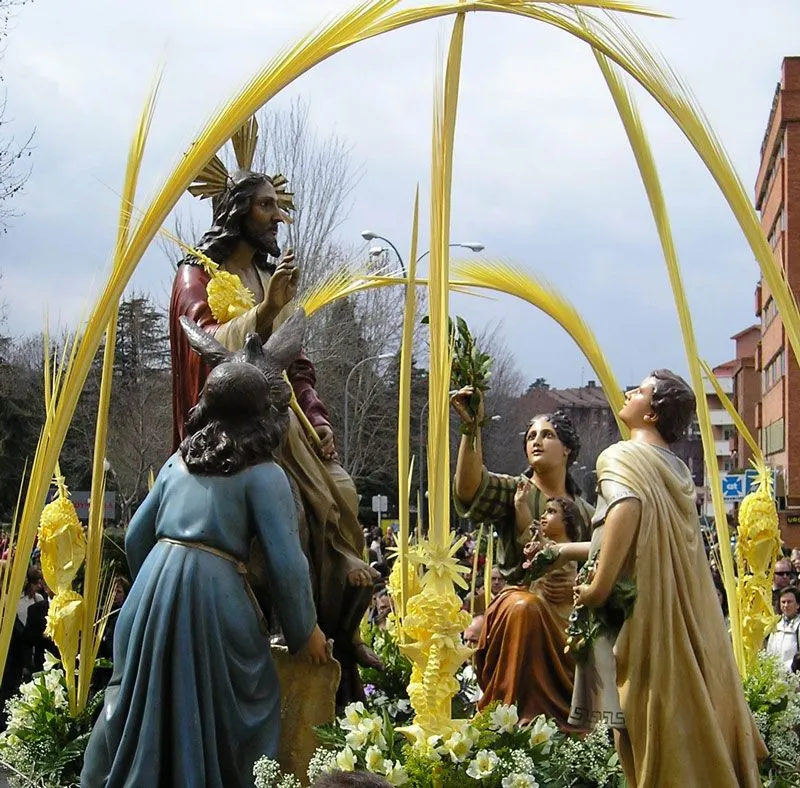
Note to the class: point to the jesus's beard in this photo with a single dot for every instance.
(262, 241)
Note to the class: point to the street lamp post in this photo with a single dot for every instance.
(346, 418)
(368, 235)
(475, 247)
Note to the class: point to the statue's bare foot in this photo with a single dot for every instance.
(366, 657)
(362, 577)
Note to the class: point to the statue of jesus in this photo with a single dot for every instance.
(243, 240)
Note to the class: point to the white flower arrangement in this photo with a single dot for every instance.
(267, 774)
(517, 780)
(773, 694)
(43, 742)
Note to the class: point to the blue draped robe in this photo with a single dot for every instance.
(194, 699)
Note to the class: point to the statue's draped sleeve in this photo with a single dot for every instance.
(140, 535)
(275, 522)
(189, 298)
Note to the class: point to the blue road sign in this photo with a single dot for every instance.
(733, 485)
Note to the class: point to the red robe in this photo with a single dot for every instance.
(189, 373)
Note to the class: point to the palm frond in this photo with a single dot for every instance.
(645, 161)
(514, 280)
(444, 125)
(90, 640)
(404, 462)
(730, 408)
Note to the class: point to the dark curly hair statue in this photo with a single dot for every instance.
(234, 425)
(231, 210)
(674, 404)
(568, 435)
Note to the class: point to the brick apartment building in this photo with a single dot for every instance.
(777, 200)
(746, 391)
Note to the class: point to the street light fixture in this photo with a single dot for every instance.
(368, 235)
(475, 247)
(346, 385)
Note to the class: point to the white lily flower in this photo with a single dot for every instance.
(467, 730)
(353, 713)
(357, 739)
(541, 733)
(483, 764)
(504, 719)
(519, 781)
(458, 747)
(50, 661)
(346, 760)
(395, 773)
(374, 760)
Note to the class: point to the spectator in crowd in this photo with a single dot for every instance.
(784, 642)
(102, 675)
(784, 577)
(381, 607)
(472, 634)
(498, 581)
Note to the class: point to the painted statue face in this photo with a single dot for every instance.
(639, 404)
(543, 448)
(552, 522)
(260, 227)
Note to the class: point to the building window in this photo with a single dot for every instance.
(772, 437)
(778, 226)
(728, 433)
(774, 371)
(769, 312)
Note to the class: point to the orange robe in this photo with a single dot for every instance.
(520, 657)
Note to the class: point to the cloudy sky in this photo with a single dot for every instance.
(543, 174)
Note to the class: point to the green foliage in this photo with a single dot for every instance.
(540, 564)
(587, 624)
(471, 367)
(393, 680)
